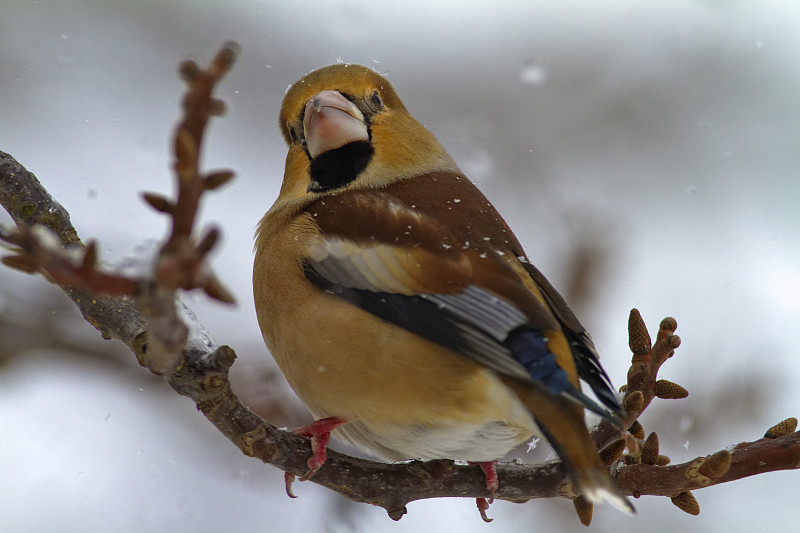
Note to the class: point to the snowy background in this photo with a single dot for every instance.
(660, 141)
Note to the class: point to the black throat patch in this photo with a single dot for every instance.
(336, 168)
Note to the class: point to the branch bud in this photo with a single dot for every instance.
(158, 202)
(217, 107)
(686, 502)
(636, 429)
(19, 262)
(638, 337)
(650, 450)
(584, 508)
(208, 242)
(716, 464)
(215, 290)
(216, 180)
(189, 70)
(612, 453)
(89, 257)
(782, 428)
(668, 390)
(669, 324)
(633, 402)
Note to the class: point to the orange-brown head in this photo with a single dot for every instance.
(347, 128)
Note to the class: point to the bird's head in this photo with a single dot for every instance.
(347, 128)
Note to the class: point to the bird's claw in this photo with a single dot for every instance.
(315, 462)
(483, 506)
(289, 478)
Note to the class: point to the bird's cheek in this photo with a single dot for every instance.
(329, 128)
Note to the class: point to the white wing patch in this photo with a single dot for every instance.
(373, 268)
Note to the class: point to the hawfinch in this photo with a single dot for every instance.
(400, 306)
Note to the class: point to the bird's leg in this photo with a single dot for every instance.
(490, 471)
(319, 431)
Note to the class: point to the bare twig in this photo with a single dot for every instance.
(181, 262)
(746, 459)
(642, 384)
(30, 205)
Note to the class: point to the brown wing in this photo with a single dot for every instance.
(432, 255)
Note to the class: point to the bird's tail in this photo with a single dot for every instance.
(585, 469)
(562, 424)
(598, 488)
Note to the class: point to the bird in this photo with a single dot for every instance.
(401, 308)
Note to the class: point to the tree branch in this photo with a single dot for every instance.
(201, 373)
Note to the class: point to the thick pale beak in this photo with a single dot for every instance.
(331, 121)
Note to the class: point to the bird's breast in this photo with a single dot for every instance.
(405, 397)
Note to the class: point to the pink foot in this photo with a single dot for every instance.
(319, 432)
(490, 471)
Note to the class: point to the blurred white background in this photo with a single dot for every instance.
(655, 144)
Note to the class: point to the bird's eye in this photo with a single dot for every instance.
(292, 132)
(375, 100)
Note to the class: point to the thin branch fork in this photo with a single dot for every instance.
(202, 373)
(181, 263)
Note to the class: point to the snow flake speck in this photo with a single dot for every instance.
(532, 444)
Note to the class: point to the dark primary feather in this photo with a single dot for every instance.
(586, 358)
(423, 317)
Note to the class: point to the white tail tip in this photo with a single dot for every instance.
(602, 494)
